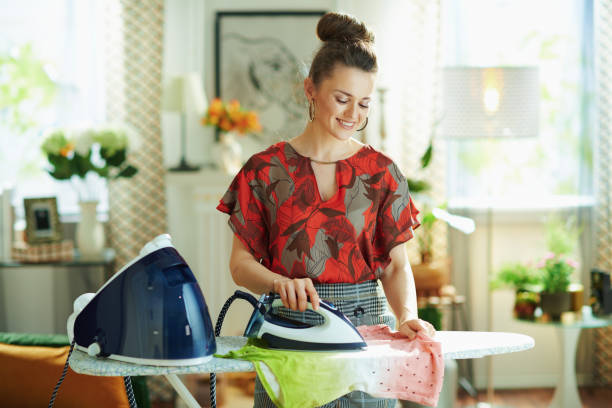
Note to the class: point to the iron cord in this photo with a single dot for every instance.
(126, 380)
(64, 371)
(237, 295)
(129, 391)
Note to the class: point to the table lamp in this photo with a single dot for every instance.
(184, 94)
(490, 103)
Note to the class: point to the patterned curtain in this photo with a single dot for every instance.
(419, 109)
(133, 83)
(134, 49)
(603, 44)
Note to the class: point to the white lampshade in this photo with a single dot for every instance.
(184, 94)
(489, 102)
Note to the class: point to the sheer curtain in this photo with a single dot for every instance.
(603, 53)
(66, 36)
(408, 49)
(420, 93)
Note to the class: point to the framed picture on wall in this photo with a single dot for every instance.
(261, 60)
(42, 220)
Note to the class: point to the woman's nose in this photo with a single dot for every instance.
(353, 111)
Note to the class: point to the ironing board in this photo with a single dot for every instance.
(455, 345)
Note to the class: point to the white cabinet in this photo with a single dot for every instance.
(202, 236)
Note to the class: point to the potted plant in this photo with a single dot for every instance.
(556, 268)
(525, 305)
(524, 279)
(86, 157)
(556, 271)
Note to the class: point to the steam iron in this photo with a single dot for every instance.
(151, 312)
(336, 333)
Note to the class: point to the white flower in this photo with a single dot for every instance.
(117, 136)
(83, 139)
(54, 141)
(111, 138)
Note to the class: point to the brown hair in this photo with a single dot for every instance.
(346, 40)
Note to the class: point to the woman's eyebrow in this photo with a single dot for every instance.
(348, 94)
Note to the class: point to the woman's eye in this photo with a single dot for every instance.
(342, 101)
(364, 106)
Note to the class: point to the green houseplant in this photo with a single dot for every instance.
(556, 268)
(524, 279)
(556, 271)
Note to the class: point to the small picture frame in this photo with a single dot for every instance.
(42, 220)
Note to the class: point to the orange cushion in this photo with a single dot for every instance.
(29, 373)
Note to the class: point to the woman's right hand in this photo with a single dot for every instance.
(294, 293)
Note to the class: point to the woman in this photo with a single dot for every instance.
(322, 215)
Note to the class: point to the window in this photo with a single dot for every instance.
(557, 37)
(67, 38)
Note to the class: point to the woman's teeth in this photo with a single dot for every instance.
(345, 124)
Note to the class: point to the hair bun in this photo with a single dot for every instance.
(343, 28)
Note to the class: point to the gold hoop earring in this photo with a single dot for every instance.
(311, 110)
(364, 126)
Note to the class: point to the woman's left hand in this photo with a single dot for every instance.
(409, 328)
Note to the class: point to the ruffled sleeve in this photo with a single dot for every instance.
(397, 216)
(247, 213)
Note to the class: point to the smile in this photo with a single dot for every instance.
(345, 124)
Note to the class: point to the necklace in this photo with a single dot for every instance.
(321, 161)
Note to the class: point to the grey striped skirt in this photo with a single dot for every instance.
(364, 304)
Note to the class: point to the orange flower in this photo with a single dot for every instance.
(66, 150)
(225, 124)
(231, 116)
(216, 107)
(234, 115)
(233, 106)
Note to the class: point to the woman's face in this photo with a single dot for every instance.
(342, 101)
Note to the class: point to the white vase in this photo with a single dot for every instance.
(90, 231)
(228, 153)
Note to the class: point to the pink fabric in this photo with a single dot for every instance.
(406, 369)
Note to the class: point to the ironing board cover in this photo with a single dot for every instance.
(276, 211)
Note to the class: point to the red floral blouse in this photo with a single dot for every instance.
(276, 211)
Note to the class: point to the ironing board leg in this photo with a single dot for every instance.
(182, 391)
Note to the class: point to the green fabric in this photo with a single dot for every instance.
(33, 339)
(139, 384)
(319, 367)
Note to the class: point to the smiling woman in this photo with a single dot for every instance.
(323, 215)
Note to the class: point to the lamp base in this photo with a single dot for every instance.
(184, 166)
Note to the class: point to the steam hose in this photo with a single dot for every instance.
(237, 295)
(126, 380)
